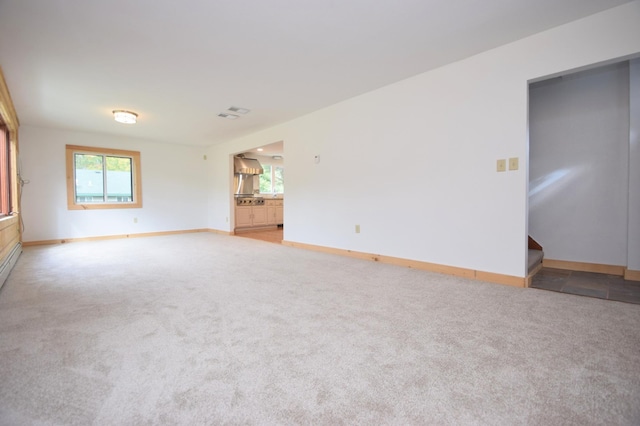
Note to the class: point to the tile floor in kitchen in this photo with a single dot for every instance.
(601, 286)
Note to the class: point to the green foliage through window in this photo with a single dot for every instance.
(265, 179)
(272, 180)
(278, 184)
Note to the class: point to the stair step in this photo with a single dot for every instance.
(535, 258)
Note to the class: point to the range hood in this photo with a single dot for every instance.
(246, 166)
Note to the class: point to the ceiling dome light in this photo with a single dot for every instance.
(126, 117)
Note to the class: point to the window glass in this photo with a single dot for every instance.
(278, 181)
(5, 172)
(119, 179)
(89, 178)
(265, 179)
(272, 179)
(102, 178)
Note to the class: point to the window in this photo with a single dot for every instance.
(265, 179)
(5, 172)
(99, 178)
(278, 180)
(272, 179)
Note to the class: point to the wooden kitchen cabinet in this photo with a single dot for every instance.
(249, 216)
(243, 216)
(259, 215)
(275, 212)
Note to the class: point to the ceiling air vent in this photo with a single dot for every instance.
(238, 110)
(228, 116)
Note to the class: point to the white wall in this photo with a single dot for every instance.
(633, 255)
(579, 151)
(413, 163)
(174, 187)
(268, 160)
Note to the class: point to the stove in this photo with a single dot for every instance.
(250, 201)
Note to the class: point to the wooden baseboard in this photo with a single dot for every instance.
(631, 275)
(529, 279)
(111, 237)
(425, 266)
(584, 267)
(219, 231)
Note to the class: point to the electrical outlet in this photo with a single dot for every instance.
(204, 157)
(501, 165)
(135, 220)
(513, 163)
(227, 220)
(357, 229)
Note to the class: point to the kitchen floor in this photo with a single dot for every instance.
(601, 286)
(269, 235)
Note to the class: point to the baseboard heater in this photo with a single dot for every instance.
(9, 263)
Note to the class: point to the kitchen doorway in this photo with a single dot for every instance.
(260, 213)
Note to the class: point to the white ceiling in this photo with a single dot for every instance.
(69, 63)
(275, 148)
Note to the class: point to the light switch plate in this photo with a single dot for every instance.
(501, 165)
(513, 163)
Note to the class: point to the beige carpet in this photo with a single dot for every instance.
(211, 329)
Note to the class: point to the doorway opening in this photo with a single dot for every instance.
(582, 161)
(261, 210)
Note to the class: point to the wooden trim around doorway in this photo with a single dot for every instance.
(631, 275)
